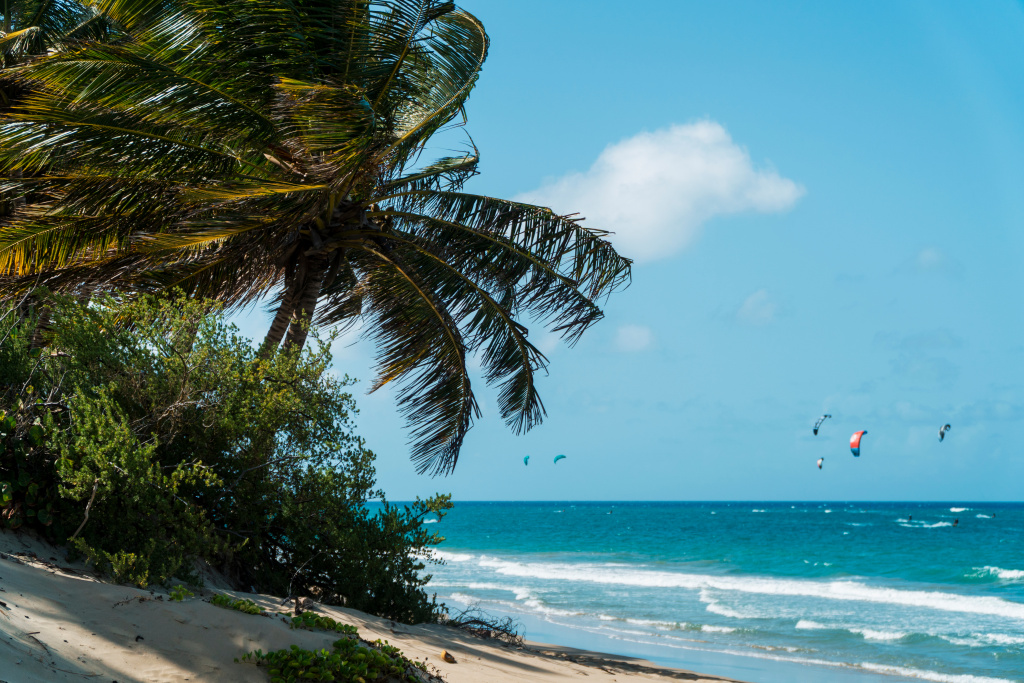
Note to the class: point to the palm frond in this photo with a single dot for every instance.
(419, 342)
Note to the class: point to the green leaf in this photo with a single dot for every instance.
(35, 434)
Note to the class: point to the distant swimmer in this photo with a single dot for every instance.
(910, 518)
(817, 425)
(820, 460)
(942, 431)
(956, 522)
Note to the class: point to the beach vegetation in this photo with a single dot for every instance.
(312, 621)
(239, 604)
(263, 150)
(350, 660)
(161, 439)
(179, 593)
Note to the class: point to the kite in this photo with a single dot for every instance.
(559, 457)
(820, 460)
(817, 425)
(526, 460)
(942, 431)
(855, 442)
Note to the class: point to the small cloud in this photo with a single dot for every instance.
(656, 190)
(547, 343)
(931, 340)
(632, 338)
(920, 370)
(933, 261)
(758, 309)
(930, 259)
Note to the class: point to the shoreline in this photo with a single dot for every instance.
(59, 621)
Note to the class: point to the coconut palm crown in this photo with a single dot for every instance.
(240, 149)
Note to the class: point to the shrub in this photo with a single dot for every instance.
(242, 605)
(347, 662)
(179, 593)
(310, 621)
(156, 436)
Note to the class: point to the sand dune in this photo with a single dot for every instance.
(59, 622)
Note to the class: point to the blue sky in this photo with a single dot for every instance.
(826, 204)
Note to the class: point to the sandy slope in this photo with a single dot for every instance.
(58, 622)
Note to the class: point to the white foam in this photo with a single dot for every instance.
(870, 634)
(1004, 574)
(811, 625)
(711, 628)
(931, 675)
(985, 639)
(959, 509)
(661, 625)
(922, 525)
(759, 511)
(521, 592)
(981, 516)
(921, 674)
(845, 590)
(536, 605)
(453, 557)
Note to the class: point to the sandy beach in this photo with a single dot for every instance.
(60, 622)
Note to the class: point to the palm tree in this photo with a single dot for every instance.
(240, 148)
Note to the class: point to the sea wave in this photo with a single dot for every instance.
(845, 590)
(1004, 574)
(453, 557)
(866, 633)
(922, 525)
(930, 675)
(774, 653)
(811, 625)
(985, 640)
(871, 634)
(959, 509)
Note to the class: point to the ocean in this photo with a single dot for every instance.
(764, 592)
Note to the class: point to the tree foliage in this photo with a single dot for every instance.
(240, 149)
(170, 440)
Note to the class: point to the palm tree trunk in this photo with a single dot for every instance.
(306, 304)
(280, 324)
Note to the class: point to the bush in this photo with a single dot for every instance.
(241, 605)
(347, 662)
(155, 436)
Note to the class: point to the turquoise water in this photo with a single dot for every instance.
(887, 591)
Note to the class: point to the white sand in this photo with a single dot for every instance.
(60, 622)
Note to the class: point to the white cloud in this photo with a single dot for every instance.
(930, 259)
(631, 338)
(758, 309)
(655, 190)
